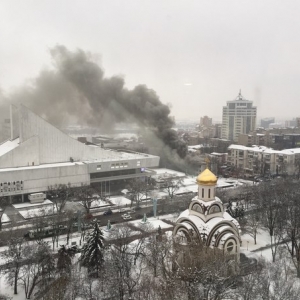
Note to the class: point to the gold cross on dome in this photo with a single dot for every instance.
(207, 161)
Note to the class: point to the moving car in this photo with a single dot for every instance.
(126, 217)
(107, 212)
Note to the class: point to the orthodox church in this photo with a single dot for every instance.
(207, 220)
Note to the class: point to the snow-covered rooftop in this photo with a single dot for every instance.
(264, 149)
(30, 205)
(195, 147)
(8, 146)
(43, 166)
(166, 173)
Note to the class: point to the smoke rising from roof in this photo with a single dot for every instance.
(76, 89)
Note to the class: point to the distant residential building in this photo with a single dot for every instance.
(276, 125)
(205, 121)
(255, 138)
(298, 122)
(290, 123)
(260, 160)
(217, 130)
(266, 122)
(239, 117)
(216, 160)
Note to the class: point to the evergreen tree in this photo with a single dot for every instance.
(92, 251)
(64, 260)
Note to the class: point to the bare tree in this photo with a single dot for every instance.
(56, 227)
(38, 268)
(171, 186)
(13, 257)
(56, 290)
(211, 275)
(85, 195)
(69, 221)
(253, 223)
(297, 167)
(121, 263)
(138, 189)
(59, 195)
(268, 197)
(290, 198)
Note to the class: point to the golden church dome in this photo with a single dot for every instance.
(207, 178)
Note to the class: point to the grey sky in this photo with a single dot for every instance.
(216, 46)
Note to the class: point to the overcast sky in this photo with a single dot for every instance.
(195, 54)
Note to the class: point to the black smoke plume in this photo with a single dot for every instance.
(76, 89)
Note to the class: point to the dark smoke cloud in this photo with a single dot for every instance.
(76, 89)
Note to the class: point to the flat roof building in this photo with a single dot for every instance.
(39, 155)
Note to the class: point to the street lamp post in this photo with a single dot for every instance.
(154, 200)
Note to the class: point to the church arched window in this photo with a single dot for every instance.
(214, 209)
(198, 208)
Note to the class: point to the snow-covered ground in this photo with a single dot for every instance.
(5, 218)
(37, 212)
(190, 183)
(152, 224)
(97, 203)
(119, 200)
(28, 210)
(29, 205)
(162, 172)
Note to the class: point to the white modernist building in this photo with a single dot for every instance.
(39, 155)
(207, 221)
(238, 117)
(263, 160)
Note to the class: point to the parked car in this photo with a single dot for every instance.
(122, 210)
(107, 212)
(126, 217)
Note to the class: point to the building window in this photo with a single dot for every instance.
(198, 208)
(113, 166)
(209, 193)
(117, 166)
(98, 167)
(138, 163)
(125, 165)
(202, 193)
(230, 247)
(214, 209)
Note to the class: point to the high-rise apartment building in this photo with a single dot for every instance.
(239, 116)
